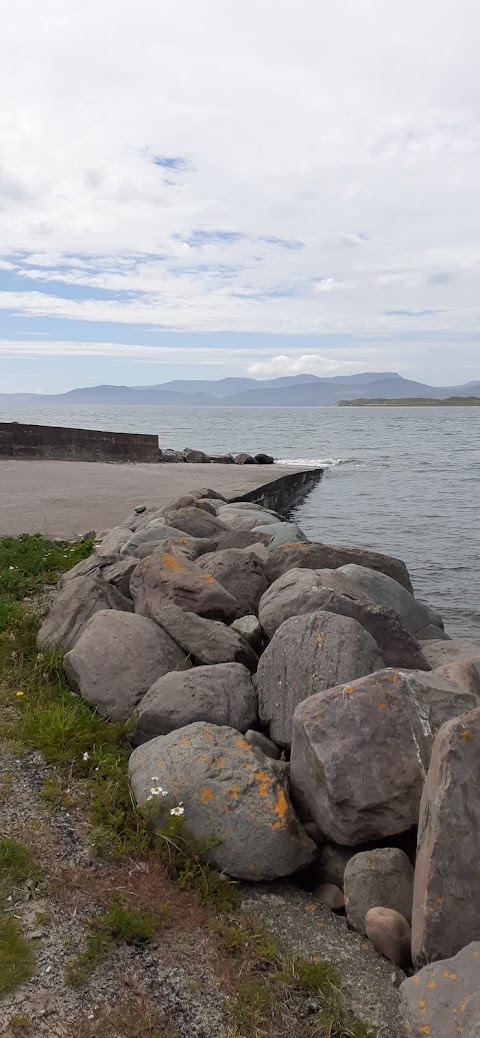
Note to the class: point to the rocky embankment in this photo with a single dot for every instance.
(192, 456)
(304, 714)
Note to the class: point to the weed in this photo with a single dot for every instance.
(20, 1024)
(16, 958)
(117, 923)
(131, 1017)
(15, 861)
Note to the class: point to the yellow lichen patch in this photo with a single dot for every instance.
(207, 577)
(466, 736)
(185, 742)
(422, 1005)
(280, 807)
(264, 781)
(416, 980)
(251, 867)
(310, 908)
(206, 795)
(348, 690)
(432, 984)
(425, 1030)
(242, 744)
(171, 563)
(207, 734)
(202, 758)
(319, 639)
(450, 976)
(232, 794)
(393, 678)
(381, 706)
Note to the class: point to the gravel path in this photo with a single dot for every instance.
(66, 498)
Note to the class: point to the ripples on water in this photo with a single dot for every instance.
(400, 480)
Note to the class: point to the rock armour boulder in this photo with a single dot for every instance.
(241, 574)
(170, 577)
(446, 909)
(73, 606)
(116, 660)
(307, 654)
(443, 1000)
(206, 641)
(227, 793)
(311, 555)
(360, 752)
(221, 695)
(303, 591)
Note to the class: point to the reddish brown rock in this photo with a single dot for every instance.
(170, 577)
(458, 650)
(464, 675)
(73, 606)
(446, 906)
(332, 556)
(391, 935)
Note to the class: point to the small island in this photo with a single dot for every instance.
(417, 401)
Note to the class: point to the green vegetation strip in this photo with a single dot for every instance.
(417, 401)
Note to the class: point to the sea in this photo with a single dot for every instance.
(401, 480)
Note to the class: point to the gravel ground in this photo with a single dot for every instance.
(162, 975)
(66, 498)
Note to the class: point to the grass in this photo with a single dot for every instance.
(116, 924)
(277, 996)
(16, 958)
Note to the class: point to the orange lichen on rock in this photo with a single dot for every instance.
(185, 741)
(170, 562)
(206, 795)
(381, 706)
(243, 744)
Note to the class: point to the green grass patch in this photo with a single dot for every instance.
(16, 957)
(16, 863)
(117, 923)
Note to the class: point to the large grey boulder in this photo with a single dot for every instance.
(458, 650)
(307, 654)
(244, 519)
(360, 752)
(116, 660)
(385, 591)
(222, 695)
(149, 535)
(196, 522)
(378, 878)
(73, 606)
(281, 533)
(463, 675)
(170, 577)
(241, 574)
(93, 566)
(311, 555)
(446, 907)
(232, 539)
(443, 999)
(227, 794)
(195, 457)
(206, 641)
(301, 591)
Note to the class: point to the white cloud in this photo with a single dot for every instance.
(313, 363)
(351, 128)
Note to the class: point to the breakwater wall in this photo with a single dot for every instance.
(284, 493)
(56, 443)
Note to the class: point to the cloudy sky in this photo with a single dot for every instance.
(209, 187)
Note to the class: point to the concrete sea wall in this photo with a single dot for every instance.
(284, 493)
(60, 444)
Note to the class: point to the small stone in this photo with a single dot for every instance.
(248, 627)
(139, 509)
(391, 935)
(260, 742)
(379, 877)
(330, 896)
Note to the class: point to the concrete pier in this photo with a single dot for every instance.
(67, 498)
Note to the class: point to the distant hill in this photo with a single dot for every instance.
(303, 390)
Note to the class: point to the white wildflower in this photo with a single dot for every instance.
(157, 791)
(150, 798)
(177, 811)
(11, 567)
(86, 755)
(14, 655)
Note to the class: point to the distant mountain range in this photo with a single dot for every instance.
(289, 391)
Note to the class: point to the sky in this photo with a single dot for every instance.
(201, 188)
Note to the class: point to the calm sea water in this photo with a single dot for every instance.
(399, 480)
